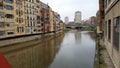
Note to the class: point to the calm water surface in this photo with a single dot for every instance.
(73, 50)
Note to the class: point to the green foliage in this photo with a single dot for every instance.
(90, 29)
(67, 29)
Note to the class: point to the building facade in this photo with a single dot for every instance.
(51, 20)
(56, 21)
(19, 17)
(98, 22)
(30, 16)
(112, 30)
(26, 17)
(45, 17)
(38, 17)
(78, 17)
(7, 18)
(100, 17)
(93, 21)
(66, 20)
(62, 25)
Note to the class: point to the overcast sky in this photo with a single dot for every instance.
(68, 7)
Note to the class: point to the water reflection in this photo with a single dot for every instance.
(78, 37)
(35, 56)
(77, 51)
(74, 50)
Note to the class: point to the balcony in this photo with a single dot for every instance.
(1, 6)
(2, 25)
(9, 1)
(9, 20)
(9, 11)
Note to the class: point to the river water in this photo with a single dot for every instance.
(74, 49)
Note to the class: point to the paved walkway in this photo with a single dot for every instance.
(106, 57)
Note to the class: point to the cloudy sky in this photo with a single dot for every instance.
(68, 7)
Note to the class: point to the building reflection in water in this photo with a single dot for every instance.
(35, 56)
(78, 37)
(92, 35)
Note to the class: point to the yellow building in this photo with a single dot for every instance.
(7, 28)
(38, 17)
(26, 17)
(51, 20)
(2, 20)
(62, 25)
(19, 17)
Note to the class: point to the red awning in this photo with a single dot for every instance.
(3, 62)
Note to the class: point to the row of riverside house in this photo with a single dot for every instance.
(27, 17)
(109, 27)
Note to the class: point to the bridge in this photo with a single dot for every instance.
(75, 26)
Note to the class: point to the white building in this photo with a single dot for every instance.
(78, 17)
(66, 20)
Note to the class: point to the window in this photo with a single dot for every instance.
(38, 22)
(116, 33)
(2, 24)
(8, 7)
(2, 33)
(26, 4)
(38, 17)
(9, 1)
(39, 30)
(10, 32)
(19, 20)
(1, 5)
(27, 11)
(42, 24)
(109, 30)
(28, 30)
(35, 30)
(33, 23)
(10, 24)
(1, 17)
(19, 12)
(20, 29)
(27, 23)
(19, 4)
(27, 17)
(9, 16)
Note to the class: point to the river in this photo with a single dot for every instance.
(73, 49)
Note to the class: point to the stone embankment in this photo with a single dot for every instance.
(11, 41)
